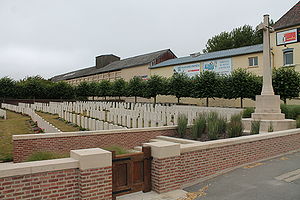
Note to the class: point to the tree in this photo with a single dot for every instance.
(7, 87)
(83, 90)
(104, 88)
(61, 90)
(238, 37)
(179, 85)
(286, 83)
(119, 88)
(154, 86)
(207, 85)
(242, 84)
(93, 86)
(35, 87)
(136, 87)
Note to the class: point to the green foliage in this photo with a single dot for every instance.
(182, 125)
(179, 86)
(119, 88)
(290, 111)
(216, 125)
(44, 155)
(248, 111)
(255, 126)
(35, 87)
(7, 86)
(207, 85)
(298, 121)
(136, 87)
(199, 126)
(235, 127)
(83, 90)
(154, 86)
(104, 88)
(238, 37)
(286, 83)
(61, 90)
(119, 150)
(243, 84)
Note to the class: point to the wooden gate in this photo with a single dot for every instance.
(131, 172)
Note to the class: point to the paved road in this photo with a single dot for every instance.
(276, 179)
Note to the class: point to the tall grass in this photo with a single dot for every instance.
(44, 155)
(216, 125)
(235, 127)
(199, 126)
(182, 125)
(247, 112)
(298, 121)
(255, 126)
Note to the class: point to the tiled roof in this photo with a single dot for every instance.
(211, 56)
(117, 65)
(291, 18)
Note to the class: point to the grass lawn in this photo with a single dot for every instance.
(14, 125)
(61, 125)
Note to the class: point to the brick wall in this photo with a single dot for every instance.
(96, 183)
(62, 184)
(127, 139)
(173, 172)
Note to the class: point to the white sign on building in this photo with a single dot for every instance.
(189, 69)
(221, 66)
(287, 37)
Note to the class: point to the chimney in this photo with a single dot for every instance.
(103, 60)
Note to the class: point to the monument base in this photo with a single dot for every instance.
(278, 125)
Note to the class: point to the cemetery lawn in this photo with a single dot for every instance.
(14, 124)
(61, 125)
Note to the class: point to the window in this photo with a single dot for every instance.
(253, 61)
(288, 56)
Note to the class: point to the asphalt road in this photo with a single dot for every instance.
(276, 179)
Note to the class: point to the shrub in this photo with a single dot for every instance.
(199, 126)
(247, 112)
(298, 121)
(235, 127)
(182, 125)
(255, 126)
(215, 125)
(290, 111)
(119, 150)
(44, 155)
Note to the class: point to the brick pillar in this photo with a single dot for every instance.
(166, 166)
(95, 177)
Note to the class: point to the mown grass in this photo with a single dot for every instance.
(119, 150)
(61, 125)
(14, 124)
(45, 156)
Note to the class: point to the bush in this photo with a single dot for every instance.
(290, 111)
(247, 112)
(182, 125)
(119, 150)
(199, 126)
(235, 127)
(255, 126)
(298, 122)
(44, 155)
(216, 125)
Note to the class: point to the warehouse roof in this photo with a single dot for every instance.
(211, 56)
(117, 65)
(289, 19)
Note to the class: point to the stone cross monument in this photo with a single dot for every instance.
(267, 104)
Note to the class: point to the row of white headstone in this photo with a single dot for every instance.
(132, 115)
(41, 123)
(3, 114)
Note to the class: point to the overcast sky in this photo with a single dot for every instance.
(50, 37)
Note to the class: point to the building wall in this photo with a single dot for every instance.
(141, 71)
(278, 54)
